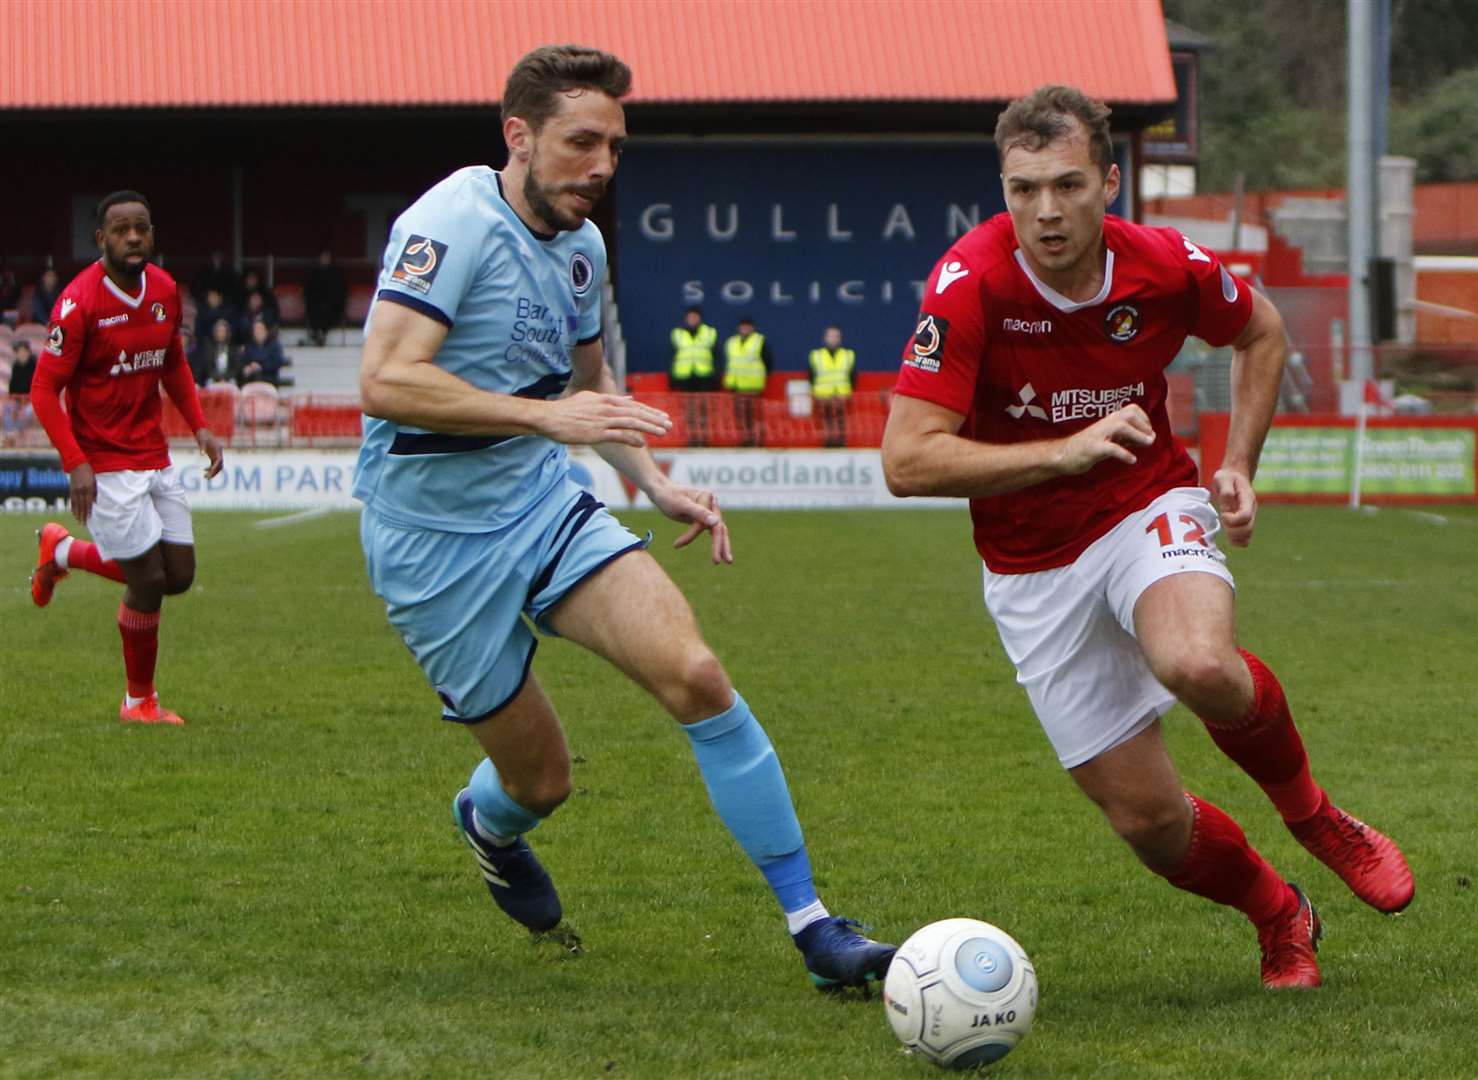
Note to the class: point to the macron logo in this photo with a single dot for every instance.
(1026, 408)
(67, 306)
(950, 273)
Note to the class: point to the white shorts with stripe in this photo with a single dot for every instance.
(1070, 631)
(135, 509)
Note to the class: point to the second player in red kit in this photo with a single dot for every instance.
(114, 340)
(1034, 386)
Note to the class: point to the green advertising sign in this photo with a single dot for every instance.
(1398, 461)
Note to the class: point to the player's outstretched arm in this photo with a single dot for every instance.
(695, 506)
(923, 454)
(1257, 372)
(398, 381)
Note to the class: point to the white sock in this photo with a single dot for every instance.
(131, 701)
(488, 834)
(59, 556)
(799, 919)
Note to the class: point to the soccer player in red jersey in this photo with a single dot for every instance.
(1034, 386)
(114, 338)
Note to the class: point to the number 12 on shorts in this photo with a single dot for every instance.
(1195, 534)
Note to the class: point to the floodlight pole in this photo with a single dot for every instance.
(1360, 179)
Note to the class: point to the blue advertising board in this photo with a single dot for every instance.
(797, 234)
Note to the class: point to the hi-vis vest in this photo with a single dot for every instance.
(744, 371)
(833, 372)
(692, 351)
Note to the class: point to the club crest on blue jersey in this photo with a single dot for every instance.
(419, 263)
(582, 274)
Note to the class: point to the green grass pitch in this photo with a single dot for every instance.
(277, 891)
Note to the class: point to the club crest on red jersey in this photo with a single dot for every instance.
(56, 339)
(157, 310)
(419, 263)
(1122, 323)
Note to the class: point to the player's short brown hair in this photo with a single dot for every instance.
(1047, 114)
(557, 69)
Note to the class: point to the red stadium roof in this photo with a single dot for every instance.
(273, 53)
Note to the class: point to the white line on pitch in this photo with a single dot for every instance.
(294, 519)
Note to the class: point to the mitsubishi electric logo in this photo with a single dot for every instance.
(1074, 404)
(1026, 408)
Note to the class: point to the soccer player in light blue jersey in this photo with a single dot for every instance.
(482, 362)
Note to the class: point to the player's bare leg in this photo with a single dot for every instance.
(147, 578)
(632, 614)
(523, 779)
(1186, 627)
(1197, 847)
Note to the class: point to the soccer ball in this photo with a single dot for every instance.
(961, 992)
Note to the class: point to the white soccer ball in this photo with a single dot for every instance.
(961, 993)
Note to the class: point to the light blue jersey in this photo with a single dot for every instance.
(516, 303)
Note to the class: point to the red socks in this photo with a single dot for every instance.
(1223, 867)
(1267, 747)
(140, 632)
(83, 555)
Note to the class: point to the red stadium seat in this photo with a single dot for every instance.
(319, 419)
(290, 305)
(218, 403)
(642, 383)
(360, 297)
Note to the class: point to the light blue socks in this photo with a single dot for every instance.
(498, 815)
(749, 793)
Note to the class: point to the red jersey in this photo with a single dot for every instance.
(110, 351)
(1022, 362)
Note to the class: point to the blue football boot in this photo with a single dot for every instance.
(519, 884)
(837, 955)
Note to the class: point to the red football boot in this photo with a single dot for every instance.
(47, 572)
(1289, 943)
(148, 711)
(1369, 862)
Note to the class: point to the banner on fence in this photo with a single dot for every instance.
(1312, 458)
(323, 479)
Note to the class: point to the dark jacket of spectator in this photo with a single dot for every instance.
(10, 295)
(214, 308)
(43, 296)
(261, 359)
(265, 305)
(22, 369)
(325, 297)
(220, 276)
(215, 359)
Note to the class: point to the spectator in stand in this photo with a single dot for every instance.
(213, 309)
(215, 360)
(220, 276)
(266, 301)
(16, 415)
(831, 385)
(22, 368)
(325, 297)
(43, 296)
(258, 311)
(10, 296)
(693, 370)
(261, 359)
(747, 365)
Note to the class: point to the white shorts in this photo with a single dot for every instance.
(135, 509)
(1070, 631)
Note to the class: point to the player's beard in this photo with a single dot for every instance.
(541, 200)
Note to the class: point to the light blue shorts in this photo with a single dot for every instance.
(462, 602)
